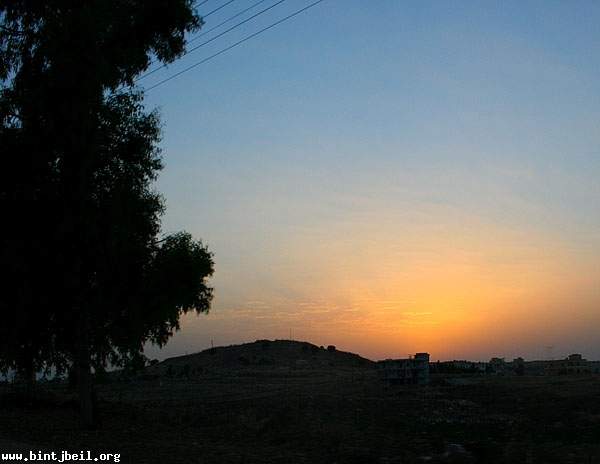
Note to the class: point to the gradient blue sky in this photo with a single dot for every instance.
(393, 177)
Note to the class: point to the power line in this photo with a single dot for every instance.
(231, 18)
(212, 39)
(217, 8)
(222, 23)
(239, 42)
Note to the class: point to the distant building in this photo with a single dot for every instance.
(573, 364)
(469, 366)
(461, 365)
(594, 367)
(411, 371)
(458, 367)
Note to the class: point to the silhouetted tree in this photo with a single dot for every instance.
(88, 282)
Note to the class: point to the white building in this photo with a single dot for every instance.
(413, 370)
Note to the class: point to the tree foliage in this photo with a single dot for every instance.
(87, 279)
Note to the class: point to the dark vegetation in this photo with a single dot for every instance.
(87, 277)
(333, 408)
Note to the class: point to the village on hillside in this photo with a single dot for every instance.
(417, 369)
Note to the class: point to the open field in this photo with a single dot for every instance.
(278, 414)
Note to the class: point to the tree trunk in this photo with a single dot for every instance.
(27, 376)
(87, 409)
(87, 412)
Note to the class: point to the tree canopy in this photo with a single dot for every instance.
(88, 280)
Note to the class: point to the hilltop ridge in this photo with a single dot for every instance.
(267, 353)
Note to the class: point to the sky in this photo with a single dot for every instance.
(392, 177)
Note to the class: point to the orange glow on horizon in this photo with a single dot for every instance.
(474, 290)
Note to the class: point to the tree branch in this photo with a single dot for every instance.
(11, 31)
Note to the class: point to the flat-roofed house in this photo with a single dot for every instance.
(413, 370)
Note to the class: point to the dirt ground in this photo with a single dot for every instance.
(286, 415)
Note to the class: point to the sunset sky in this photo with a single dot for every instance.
(393, 177)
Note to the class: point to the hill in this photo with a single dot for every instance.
(264, 354)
